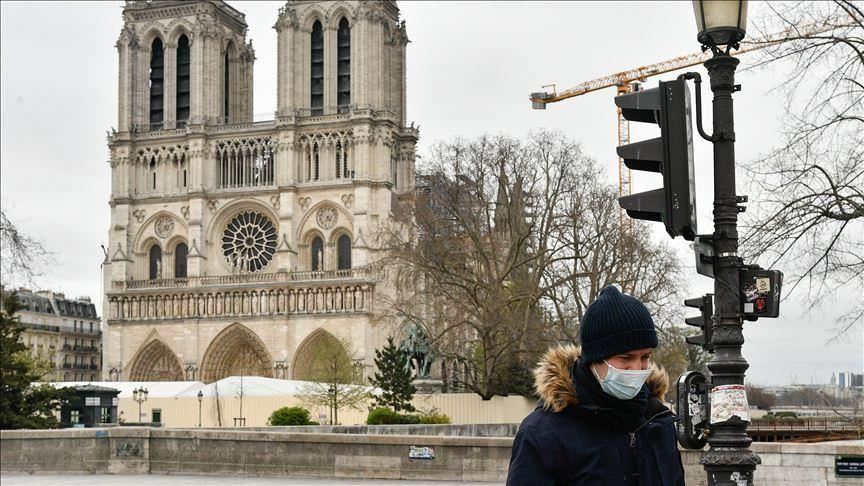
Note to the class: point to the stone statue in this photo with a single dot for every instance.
(416, 346)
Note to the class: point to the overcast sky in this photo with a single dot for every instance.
(471, 67)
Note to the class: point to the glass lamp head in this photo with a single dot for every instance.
(720, 22)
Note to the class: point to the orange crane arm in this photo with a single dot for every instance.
(641, 73)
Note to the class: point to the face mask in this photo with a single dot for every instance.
(622, 384)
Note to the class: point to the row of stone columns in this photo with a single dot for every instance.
(349, 298)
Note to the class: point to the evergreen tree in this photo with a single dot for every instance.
(22, 406)
(393, 377)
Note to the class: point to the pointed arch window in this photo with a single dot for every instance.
(316, 166)
(316, 102)
(343, 66)
(183, 81)
(157, 84)
(344, 252)
(180, 254)
(338, 160)
(317, 254)
(155, 262)
(226, 84)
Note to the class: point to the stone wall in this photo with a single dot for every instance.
(143, 450)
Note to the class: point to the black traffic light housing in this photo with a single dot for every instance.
(671, 154)
(706, 305)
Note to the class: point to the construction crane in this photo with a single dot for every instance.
(629, 81)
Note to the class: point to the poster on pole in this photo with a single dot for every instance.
(729, 401)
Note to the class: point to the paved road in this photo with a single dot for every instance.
(154, 480)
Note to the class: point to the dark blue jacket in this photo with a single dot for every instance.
(565, 442)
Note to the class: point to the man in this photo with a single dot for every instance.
(600, 419)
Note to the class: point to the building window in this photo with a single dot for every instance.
(344, 252)
(315, 162)
(182, 82)
(342, 161)
(317, 254)
(246, 162)
(180, 254)
(226, 86)
(317, 66)
(157, 84)
(75, 416)
(155, 262)
(343, 66)
(249, 242)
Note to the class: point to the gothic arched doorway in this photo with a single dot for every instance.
(155, 362)
(236, 351)
(323, 357)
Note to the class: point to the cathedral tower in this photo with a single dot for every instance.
(236, 246)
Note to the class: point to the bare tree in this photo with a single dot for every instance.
(21, 256)
(509, 243)
(811, 189)
(336, 381)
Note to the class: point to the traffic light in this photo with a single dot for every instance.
(671, 154)
(706, 305)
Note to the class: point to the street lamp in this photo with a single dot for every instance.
(729, 459)
(140, 396)
(200, 398)
(720, 22)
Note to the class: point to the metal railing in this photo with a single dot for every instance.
(802, 425)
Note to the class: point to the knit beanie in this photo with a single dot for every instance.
(615, 323)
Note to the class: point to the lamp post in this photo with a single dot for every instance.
(140, 396)
(729, 461)
(200, 398)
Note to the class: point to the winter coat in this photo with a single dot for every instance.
(565, 442)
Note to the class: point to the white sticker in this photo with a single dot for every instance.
(421, 452)
(729, 401)
(763, 285)
(748, 307)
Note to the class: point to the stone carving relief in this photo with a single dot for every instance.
(305, 202)
(139, 214)
(348, 200)
(274, 201)
(212, 206)
(191, 372)
(130, 449)
(184, 210)
(164, 226)
(327, 217)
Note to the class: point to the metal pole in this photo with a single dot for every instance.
(729, 460)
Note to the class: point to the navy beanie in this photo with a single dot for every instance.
(615, 323)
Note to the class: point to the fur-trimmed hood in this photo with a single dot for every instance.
(554, 384)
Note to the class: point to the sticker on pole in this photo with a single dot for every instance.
(729, 401)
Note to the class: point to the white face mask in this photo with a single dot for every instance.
(622, 384)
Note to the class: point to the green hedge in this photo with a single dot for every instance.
(290, 416)
(386, 416)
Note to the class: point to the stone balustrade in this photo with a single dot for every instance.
(242, 279)
(255, 302)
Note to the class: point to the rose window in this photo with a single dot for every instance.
(249, 241)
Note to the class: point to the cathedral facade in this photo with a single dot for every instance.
(236, 245)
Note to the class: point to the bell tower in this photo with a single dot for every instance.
(183, 63)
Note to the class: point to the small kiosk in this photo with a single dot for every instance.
(90, 406)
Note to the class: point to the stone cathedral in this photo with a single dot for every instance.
(236, 245)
